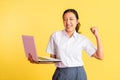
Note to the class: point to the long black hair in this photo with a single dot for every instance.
(76, 15)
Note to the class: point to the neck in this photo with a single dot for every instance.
(69, 33)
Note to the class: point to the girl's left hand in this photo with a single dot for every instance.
(94, 30)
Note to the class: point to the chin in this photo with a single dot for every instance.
(69, 30)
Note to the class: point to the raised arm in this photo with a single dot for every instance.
(99, 52)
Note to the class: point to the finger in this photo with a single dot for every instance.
(30, 55)
(30, 58)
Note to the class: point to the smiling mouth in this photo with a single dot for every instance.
(68, 26)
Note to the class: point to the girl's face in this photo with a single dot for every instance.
(70, 21)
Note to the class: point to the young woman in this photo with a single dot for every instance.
(67, 45)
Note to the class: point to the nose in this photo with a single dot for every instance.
(67, 21)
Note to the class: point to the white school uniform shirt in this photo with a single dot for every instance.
(69, 50)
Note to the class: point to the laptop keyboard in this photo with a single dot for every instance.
(41, 58)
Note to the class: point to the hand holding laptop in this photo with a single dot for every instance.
(30, 58)
(31, 53)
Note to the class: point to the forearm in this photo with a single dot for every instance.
(52, 56)
(99, 51)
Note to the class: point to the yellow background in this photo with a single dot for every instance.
(41, 18)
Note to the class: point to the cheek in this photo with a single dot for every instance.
(75, 23)
(64, 23)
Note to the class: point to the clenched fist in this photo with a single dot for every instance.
(94, 30)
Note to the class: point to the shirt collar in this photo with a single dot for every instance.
(74, 34)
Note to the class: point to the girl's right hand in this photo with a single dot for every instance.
(30, 58)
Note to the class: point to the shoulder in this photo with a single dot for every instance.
(81, 36)
(56, 33)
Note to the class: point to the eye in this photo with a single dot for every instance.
(71, 19)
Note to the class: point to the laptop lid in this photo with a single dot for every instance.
(29, 46)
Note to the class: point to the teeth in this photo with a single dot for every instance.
(68, 26)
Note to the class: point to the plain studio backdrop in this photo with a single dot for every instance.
(40, 18)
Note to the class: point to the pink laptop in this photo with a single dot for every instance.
(29, 47)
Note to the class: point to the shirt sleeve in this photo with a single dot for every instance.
(51, 46)
(89, 48)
